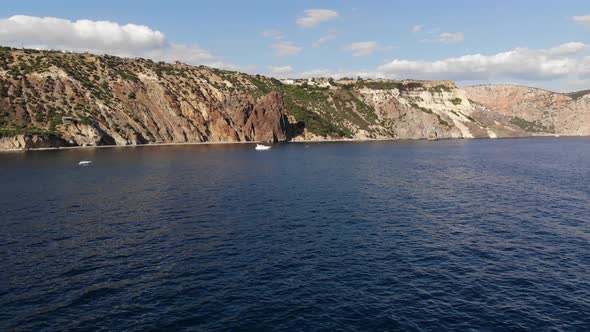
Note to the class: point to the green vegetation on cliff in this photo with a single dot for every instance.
(531, 126)
(26, 131)
(323, 111)
(578, 94)
(102, 99)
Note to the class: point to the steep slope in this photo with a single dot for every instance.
(50, 98)
(104, 100)
(538, 111)
(415, 109)
(376, 109)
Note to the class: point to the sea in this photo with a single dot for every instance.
(486, 235)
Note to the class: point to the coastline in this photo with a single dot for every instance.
(128, 146)
(343, 140)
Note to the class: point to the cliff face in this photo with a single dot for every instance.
(441, 111)
(92, 100)
(27, 141)
(50, 98)
(536, 110)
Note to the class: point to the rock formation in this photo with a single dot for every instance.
(50, 98)
(536, 110)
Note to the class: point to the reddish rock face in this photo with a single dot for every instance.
(266, 121)
(536, 109)
(153, 103)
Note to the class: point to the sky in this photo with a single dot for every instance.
(536, 43)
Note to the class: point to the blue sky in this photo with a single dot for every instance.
(395, 39)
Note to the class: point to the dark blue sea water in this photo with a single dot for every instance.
(433, 236)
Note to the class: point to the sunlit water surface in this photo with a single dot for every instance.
(459, 234)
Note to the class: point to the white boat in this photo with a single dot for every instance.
(85, 163)
(262, 147)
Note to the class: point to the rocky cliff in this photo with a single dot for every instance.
(50, 98)
(536, 110)
(102, 100)
(30, 141)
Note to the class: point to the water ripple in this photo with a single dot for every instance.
(433, 236)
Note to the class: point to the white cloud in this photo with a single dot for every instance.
(61, 33)
(186, 53)
(420, 28)
(562, 68)
(337, 74)
(314, 17)
(570, 61)
(446, 38)
(249, 69)
(563, 61)
(583, 20)
(366, 48)
(363, 48)
(286, 48)
(274, 34)
(323, 39)
(566, 49)
(417, 28)
(100, 37)
(451, 37)
(280, 71)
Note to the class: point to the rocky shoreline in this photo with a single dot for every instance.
(315, 141)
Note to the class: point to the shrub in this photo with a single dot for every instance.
(456, 101)
(27, 131)
(423, 109)
(443, 122)
(86, 120)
